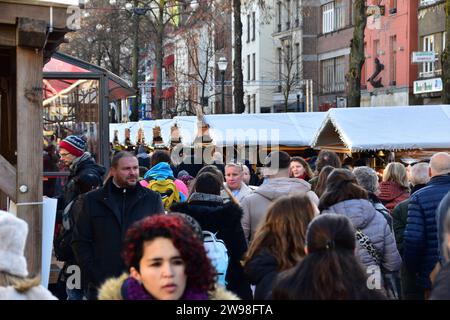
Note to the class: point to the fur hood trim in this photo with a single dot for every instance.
(111, 290)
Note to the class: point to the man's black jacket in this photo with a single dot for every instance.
(101, 227)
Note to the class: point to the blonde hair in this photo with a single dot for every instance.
(283, 232)
(21, 284)
(235, 165)
(396, 172)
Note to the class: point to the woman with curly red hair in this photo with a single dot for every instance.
(167, 261)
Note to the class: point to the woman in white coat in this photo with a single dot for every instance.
(14, 281)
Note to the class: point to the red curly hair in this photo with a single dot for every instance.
(199, 270)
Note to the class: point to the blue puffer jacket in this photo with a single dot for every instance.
(421, 239)
(372, 223)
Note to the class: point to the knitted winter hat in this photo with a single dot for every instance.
(74, 144)
(182, 173)
(13, 235)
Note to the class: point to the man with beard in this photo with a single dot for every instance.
(107, 214)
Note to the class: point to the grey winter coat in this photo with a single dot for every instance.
(364, 217)
(255, 205)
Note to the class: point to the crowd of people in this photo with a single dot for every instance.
(326, 231)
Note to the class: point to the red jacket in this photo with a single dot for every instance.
(391, 194)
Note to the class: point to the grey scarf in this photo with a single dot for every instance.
(77, 161)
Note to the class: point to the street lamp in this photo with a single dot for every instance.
(222, 64)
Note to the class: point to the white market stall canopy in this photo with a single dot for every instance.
(385, 128)
(286, 129)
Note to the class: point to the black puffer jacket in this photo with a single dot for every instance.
(225, 219)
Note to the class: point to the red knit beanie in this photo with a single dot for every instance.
(74, 145)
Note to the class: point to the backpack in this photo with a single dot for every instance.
(168, 191)
(218, 254)
(62, 242)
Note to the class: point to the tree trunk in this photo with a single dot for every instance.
(159, 57)
(115, 45)
(135, 66)
(356, 55)
(445, 59)
(287, 90)
(237, 64)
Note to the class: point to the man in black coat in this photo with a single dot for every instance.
(107, 214)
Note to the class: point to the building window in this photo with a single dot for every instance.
(393, 59)
(280, 68)
(254, 67)
(428, 46)
(249, 104)
(288, 9)
(376, 48)
(297, 13)
(339, 8)
(248, 68)
(254, 26)
(333, 16)
(328, 18)
(333, 75)
(297, 61)
(254, 103)
(393, 6)
(353, 12)
(288, 56)
(248, 28)
(280, 16)
(428, 2)
(444, 41)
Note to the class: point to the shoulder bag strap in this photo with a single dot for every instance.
(366, 243)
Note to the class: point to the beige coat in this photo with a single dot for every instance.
(255, 205)
(244, 191)
(111, 290)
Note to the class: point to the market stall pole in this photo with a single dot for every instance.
(25, 42)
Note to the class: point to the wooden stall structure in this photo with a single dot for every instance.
(77, 97)
(30, 32)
